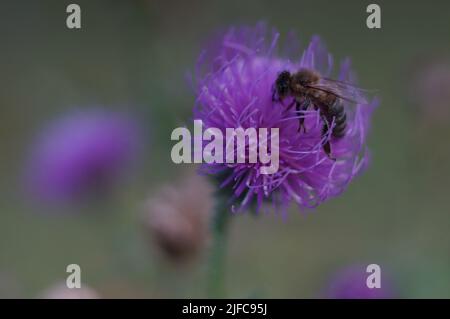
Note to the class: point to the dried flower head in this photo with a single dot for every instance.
(235, 90)
(81, 153)
(177, 217)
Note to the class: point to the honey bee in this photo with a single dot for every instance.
(308, 88)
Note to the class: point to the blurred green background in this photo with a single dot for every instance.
(133, 55)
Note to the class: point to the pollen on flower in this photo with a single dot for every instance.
(235, 90)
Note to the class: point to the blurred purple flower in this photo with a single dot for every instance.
(61, 291)
(430, 88)
(350, 283)
(81, 153)
(234, 89)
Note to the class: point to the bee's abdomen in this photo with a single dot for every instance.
(340, 119)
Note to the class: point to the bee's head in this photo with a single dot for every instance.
(283, 84)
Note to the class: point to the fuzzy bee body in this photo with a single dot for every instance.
(309, 88)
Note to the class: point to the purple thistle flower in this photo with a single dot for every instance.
(234, 90)
(81, 153)
(350, 283)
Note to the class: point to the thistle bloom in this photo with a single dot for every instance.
(81, 153)
(234, 90)
(350, 283)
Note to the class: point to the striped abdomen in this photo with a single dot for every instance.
(337, 112)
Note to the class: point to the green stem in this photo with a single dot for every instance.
(216, 266)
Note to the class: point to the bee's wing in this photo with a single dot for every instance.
(343, 90)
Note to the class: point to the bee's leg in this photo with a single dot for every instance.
(275, 97)
(300, 107)
(326, 146)
(291, 105)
